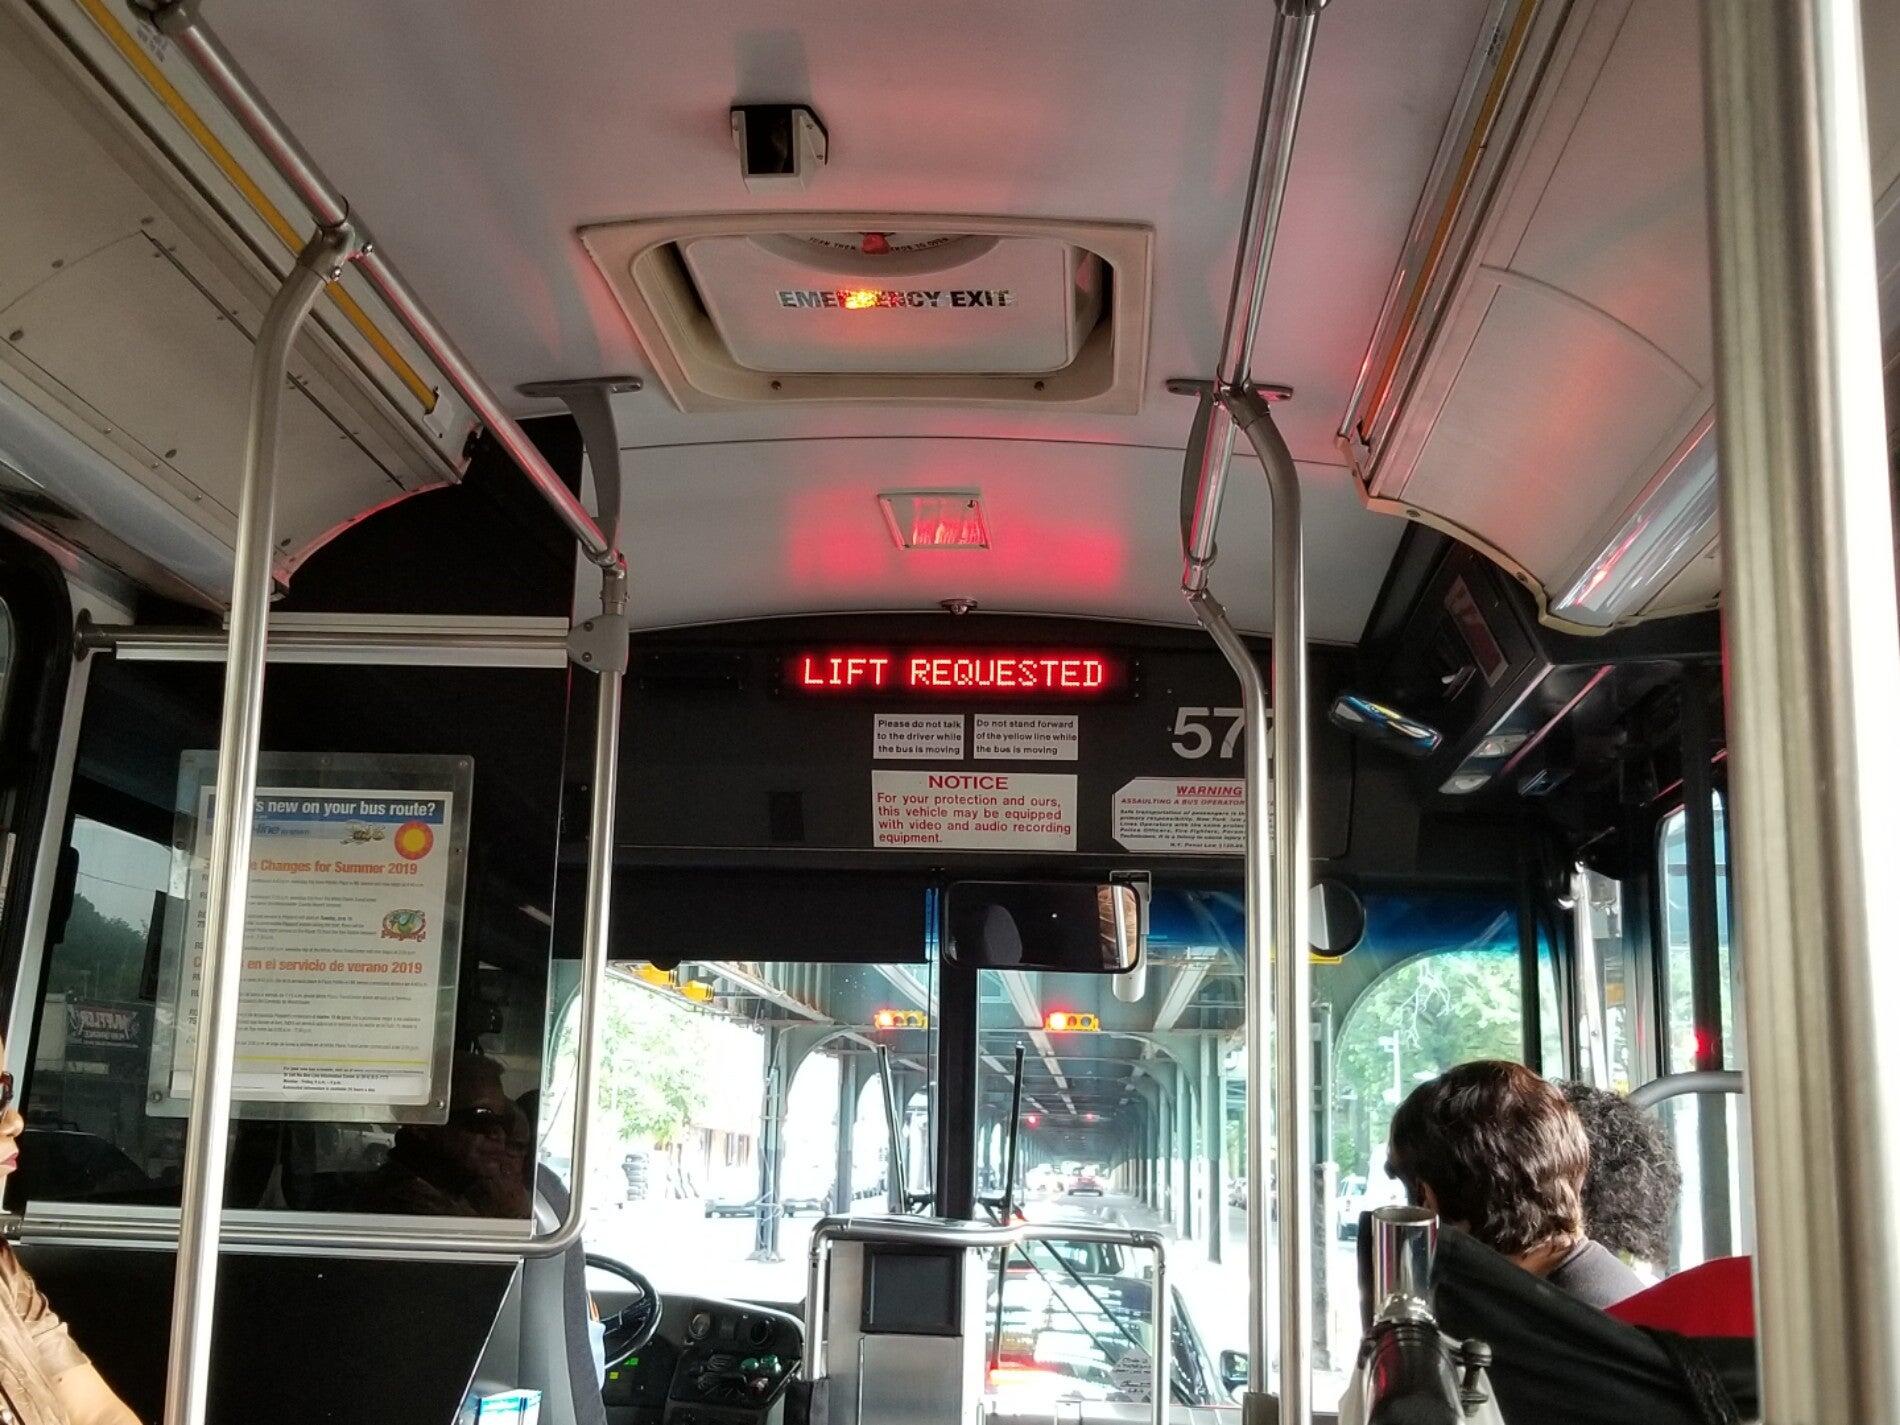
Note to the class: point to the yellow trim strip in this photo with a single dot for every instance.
(1474, 146)
(167, 94)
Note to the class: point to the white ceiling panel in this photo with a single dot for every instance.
(760, 528)
(476, 141)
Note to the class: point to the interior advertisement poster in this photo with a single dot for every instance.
(351, 938)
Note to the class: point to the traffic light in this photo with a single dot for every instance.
(1067, 1021)
(900, 1019)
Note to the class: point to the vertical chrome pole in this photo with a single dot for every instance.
(1808, 589)
(602, 644)
(1288, 59)
(1161, 1363)
(1260, 892)
(194, 1290)
(1292, 911)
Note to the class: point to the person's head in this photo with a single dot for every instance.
(1492, 1148)
(1634, 1186)
(484, 1134)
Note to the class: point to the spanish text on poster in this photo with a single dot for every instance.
(999, 811)
(918, 737)
(1186, 815)
(350, 949)
(1026, 737)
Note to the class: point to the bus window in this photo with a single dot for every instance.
(1712, 1220)
(99, 1131)
(1131, 1118)
(1550, 1010)
(727, 1122)
(1673, 872)
(1117, 1126)
(1437, 981)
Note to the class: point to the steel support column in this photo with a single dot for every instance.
(1214, 1124)
(770, 1206)
(1186, 1155)
(849, 1084)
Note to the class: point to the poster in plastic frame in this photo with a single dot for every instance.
(352, 943)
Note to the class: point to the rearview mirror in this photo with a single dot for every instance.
(1336, 919)
(1233, 1370)
(1383, 726)
(1044, 925)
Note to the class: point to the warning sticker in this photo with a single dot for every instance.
(1133, 1374)
(997, 811)
(1195, 816)
(918, 737)
(1021, 737)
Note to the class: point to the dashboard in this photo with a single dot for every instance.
(711, 1362)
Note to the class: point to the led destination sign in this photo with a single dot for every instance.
(1005, 674)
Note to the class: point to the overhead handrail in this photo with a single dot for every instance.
(601, 644)
(537, 643)
(1679, 1085)
(1288, 59)
(180, 22)
(1277, 857)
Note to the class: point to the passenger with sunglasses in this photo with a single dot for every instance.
(479, 1163)
(45, 1379)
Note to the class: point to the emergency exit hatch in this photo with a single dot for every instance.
(770, 308)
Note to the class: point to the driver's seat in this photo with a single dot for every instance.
(556, 1358)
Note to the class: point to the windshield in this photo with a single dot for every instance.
(1138, 1119)
(738, 1103)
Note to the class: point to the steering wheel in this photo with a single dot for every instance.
(631, 1327)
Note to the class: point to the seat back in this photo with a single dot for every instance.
(556, 1356)
(1556, 1359)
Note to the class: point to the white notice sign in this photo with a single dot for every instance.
(1026, 737)
(918, 737)
(1190, 815)
(354, 904)
(992, 811)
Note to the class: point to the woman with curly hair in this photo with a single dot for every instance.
(1634, 1185)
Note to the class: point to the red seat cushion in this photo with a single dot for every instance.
(1714, 1299)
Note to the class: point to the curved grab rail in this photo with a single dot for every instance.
(1676, 1085)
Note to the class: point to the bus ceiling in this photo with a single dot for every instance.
(1435, 329)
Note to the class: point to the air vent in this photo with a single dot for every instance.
(935, 519)
(852, 307)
